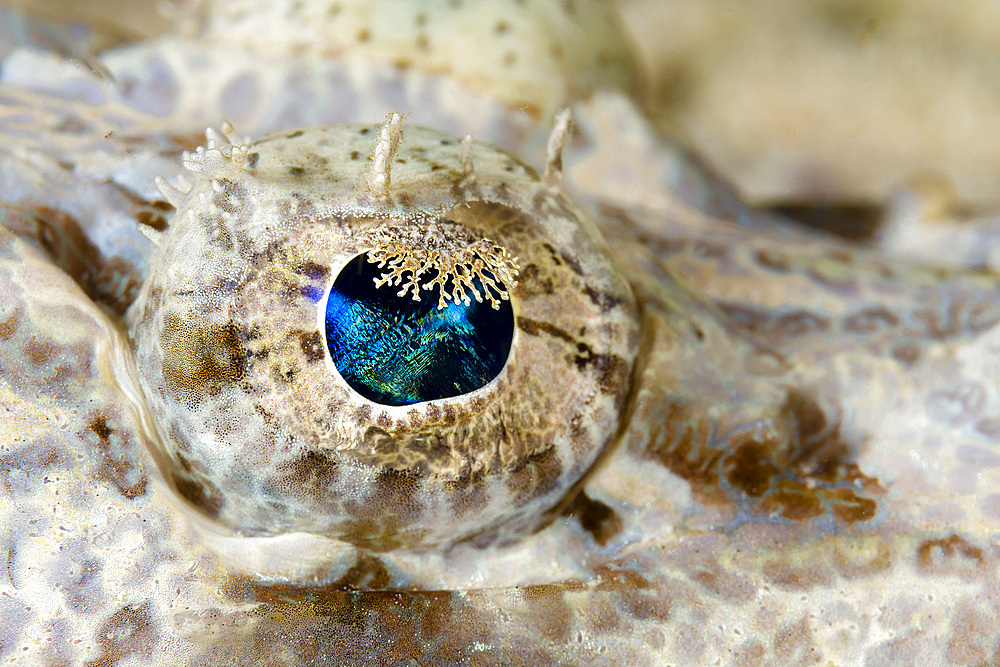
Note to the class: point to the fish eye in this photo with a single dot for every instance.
(425, 347)
(396, 349)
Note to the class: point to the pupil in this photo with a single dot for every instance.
(396, 351)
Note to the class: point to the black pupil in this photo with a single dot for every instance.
(396, 351)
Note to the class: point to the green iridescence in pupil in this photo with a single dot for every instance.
(396, 351)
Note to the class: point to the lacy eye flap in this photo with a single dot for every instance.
(396, 350)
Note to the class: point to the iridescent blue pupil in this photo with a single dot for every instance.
(397, 351)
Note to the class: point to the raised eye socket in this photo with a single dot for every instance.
(295, 385)
(394, 349)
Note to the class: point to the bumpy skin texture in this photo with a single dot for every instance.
(230, 348)
(718, 438)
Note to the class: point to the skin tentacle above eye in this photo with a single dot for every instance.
(262, 433)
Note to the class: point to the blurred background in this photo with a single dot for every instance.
(829, 99)
(801, 100)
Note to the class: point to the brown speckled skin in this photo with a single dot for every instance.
(718, 439)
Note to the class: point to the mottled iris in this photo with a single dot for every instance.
(397, 351)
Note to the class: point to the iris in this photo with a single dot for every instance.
(396, 351)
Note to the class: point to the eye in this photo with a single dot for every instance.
(395, 350)
(396, 363)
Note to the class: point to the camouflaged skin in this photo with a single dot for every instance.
(802, 465)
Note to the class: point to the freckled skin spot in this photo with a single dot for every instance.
(8, 326)
(39, 352)
(199, 361)
(129, 631)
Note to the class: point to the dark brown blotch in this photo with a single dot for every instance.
(230, 197)
(773, 261)
(199, 492)
(448, 414)
(595, 517)
(313, 270)
(682, 444)
(793, 500)
(391, 510)
(308, 624)
(311, 476)
(380, 442)
(550, 613)
(151, 218)
(116, 466)
(746, 318)
(939, 322)
(639, 598)
(799, 473)
(906, 353)
(750, 468)
(9, 325)
(850, 507)
(60, 236)
(363, 414)
(468, 494)
(312, 346)
(935, 554)
(814, 433)
(538, 327)
(367, 574)
(603, 300)
(613, 374)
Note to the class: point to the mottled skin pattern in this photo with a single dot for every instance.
(718, 439)
(230, 348)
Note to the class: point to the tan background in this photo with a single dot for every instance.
(801, 99)
(830, 98)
